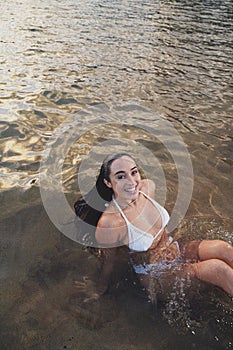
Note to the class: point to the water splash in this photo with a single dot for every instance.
(177, 310)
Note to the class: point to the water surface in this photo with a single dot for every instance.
(58, 58)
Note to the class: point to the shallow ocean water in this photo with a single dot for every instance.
(110, 75)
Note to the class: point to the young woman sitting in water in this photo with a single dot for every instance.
(134, 219)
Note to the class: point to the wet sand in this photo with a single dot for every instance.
(42, 309)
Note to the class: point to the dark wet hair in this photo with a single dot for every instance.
(90, 208)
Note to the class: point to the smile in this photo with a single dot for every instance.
(131, 190)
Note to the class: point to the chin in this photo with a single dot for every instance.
(134, 195)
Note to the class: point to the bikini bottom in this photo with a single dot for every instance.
(166, 271)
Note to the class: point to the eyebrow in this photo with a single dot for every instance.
(123, 172)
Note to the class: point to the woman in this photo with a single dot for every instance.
(132, 218)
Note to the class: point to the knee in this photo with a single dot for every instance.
(217, 266)
(222, 245)
(212, 267)
(224, 250)
(216, 249)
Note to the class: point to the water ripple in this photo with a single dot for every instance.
(171, 56)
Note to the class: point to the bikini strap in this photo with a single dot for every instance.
(163, 212)
(120, 210)
(146, 195)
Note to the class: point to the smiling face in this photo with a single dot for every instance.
(124, 179)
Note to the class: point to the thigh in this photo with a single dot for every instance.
(190, 251)
(171, 279)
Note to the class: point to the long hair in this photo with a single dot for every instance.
(90, 208)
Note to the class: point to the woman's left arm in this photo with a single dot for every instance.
(107, 266)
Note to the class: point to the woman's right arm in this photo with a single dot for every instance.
(107, 237)
(109, 231)
(107, 266)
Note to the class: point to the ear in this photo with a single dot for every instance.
(107, 183)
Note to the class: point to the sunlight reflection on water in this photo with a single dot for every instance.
(59, 58)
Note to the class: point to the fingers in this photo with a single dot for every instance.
(83, 284)
(86, 288)
(93, 297)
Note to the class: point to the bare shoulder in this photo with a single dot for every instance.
(109, 228)
(148, 186)
(107, 220)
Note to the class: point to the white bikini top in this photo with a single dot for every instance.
(140, 240)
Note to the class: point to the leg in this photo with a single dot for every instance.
(216, 272)
(216, 249)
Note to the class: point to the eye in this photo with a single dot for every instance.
(134, 172)
(120, 177)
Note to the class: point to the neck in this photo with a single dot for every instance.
(126, 204)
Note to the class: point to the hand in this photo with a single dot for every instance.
(88, 288)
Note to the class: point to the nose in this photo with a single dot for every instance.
(131, 180)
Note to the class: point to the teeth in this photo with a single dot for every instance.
(131, 190)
